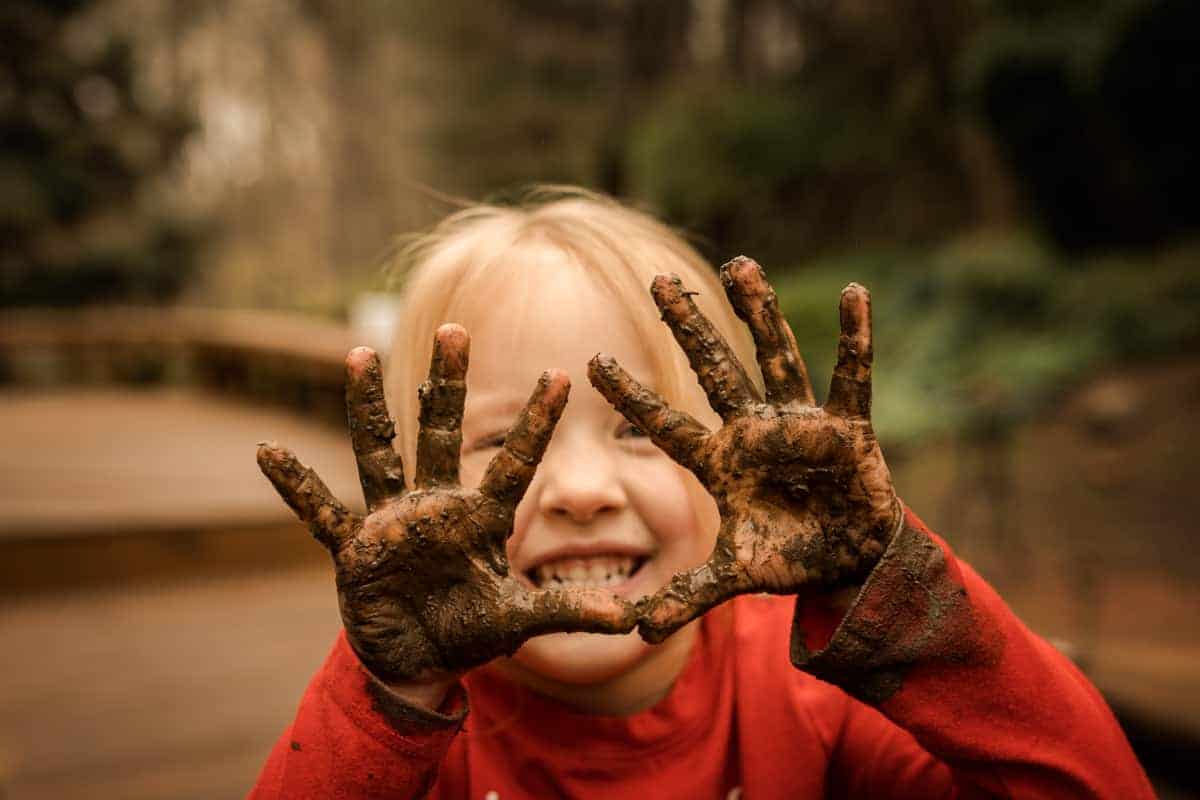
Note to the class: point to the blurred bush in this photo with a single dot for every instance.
(792, 131)
(80, 147)
(772, 171)
(1088, 101)
(883, 130)
(982, 332)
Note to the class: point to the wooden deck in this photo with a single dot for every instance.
(161, 610)
(117, 461)
(174, 690)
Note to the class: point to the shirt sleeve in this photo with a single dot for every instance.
(353, 738)
(931, 647)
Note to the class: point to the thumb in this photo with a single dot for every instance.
(689, 595)
(586, 610)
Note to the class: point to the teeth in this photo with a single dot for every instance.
(585, 572)
(598, 572)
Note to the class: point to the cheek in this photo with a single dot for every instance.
(471, 467)
(678, 511)
(526, 511)
(704, 505)
(471, 470)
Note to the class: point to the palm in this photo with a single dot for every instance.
(414, 560)
(423, 579)
(804, 495)
(783, 514)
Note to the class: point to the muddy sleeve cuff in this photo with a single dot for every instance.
(369, 703)
(935, 650)
(352, 738)
(912, 611)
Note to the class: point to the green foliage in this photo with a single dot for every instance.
(521, 87)
(78, 144)
(1078, 34)
(707, 152)
(1084, 101)
(982, 333)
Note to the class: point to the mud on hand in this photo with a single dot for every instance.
(805, 497)
(423, 580)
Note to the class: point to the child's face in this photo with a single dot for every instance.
(606, 507)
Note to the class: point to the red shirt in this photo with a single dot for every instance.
(943, 693)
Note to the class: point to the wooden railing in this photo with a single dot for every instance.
(284, 360)
(266, 356)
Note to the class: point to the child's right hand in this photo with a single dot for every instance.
(423, 580)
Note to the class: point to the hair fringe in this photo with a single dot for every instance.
(406, 250)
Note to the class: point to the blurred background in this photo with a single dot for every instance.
(196, 201)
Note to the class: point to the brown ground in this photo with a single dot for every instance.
(149, 655)
(1090, 532)
(156, 636)
(174, 691)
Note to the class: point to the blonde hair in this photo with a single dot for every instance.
(456, 269)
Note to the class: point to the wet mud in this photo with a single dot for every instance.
(423, 581)
(805, 497)
(910, 611)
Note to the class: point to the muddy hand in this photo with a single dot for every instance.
(805, 498)
(423, 580)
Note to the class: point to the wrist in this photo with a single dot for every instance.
(429, 694)
(879, 537)
(838, 601)
(826, 607)
(424, 688)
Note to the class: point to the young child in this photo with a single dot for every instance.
(799, 632)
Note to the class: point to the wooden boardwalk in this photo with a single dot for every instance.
(116, 461)
(152, 690)
(161, 609)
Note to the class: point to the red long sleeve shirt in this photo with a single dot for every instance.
(928, 687)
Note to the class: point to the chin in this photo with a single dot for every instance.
(581, 659)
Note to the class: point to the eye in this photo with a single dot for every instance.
(629, 431)
(489, 442)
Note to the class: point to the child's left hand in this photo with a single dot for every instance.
(805, 498)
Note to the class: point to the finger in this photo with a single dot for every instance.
(688, 595)
(783, 369)
(721, 375)
(331, 522)
(510, 471)
(850, 389)
(676, 433)
(380, 470)
(586, 610)
(439, 438)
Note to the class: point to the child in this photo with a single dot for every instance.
(510, 573)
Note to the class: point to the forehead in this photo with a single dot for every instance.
(549, 313)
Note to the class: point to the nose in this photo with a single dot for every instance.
(579, 480)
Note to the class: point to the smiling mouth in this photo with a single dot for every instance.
(586, 572)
